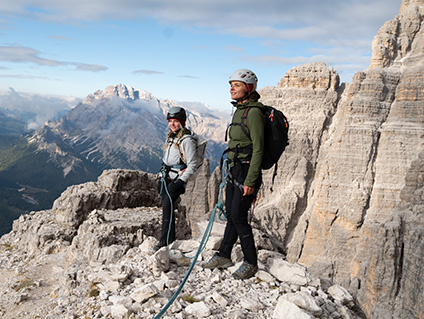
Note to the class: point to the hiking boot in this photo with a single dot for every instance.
(218, 262)
(245, 271)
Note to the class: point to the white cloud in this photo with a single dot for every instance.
(348, 24)
(21, 54)
(364, 15)
(23, 77)
(148, 72)
(90, 67)
(188, 76)
(43, 107)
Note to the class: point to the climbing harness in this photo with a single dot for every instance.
(218, 207)
(165, 169)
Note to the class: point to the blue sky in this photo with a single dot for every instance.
(183, 50)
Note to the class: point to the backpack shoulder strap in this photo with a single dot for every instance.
(181, 150)
(242, 124)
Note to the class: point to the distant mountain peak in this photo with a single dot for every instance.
(122, 91)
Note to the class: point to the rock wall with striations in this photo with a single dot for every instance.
(346, 178)
(308, 96)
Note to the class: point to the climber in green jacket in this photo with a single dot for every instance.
(239, 141)
(245, 151)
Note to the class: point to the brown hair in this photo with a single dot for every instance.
(254, 96)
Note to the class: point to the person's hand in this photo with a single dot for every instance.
(177, 185)
(247, 190)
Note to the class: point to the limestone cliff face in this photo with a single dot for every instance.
(308, 96)
(343, 199)
(398, 37)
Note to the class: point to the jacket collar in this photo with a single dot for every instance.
(246, 104)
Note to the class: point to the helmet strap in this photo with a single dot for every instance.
(249, 88)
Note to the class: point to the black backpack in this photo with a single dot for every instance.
(276, 138)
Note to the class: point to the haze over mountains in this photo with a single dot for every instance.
(120, 127)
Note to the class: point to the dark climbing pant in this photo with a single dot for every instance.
(168, 216)
(237, 209)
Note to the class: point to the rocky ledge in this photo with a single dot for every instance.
(104, 265)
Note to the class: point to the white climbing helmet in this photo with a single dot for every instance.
(246, 76)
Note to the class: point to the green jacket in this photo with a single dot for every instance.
(237, 138)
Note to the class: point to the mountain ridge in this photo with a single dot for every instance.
(118, 127)
(126, 120)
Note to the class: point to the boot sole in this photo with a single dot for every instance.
(237, 276)
(223, 266)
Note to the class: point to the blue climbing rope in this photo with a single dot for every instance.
(218, 207)
(221, 215)
(164, 186)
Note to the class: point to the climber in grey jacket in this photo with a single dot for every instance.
(179, 164)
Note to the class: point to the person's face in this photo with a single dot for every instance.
(174, 125)
(238, 90)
